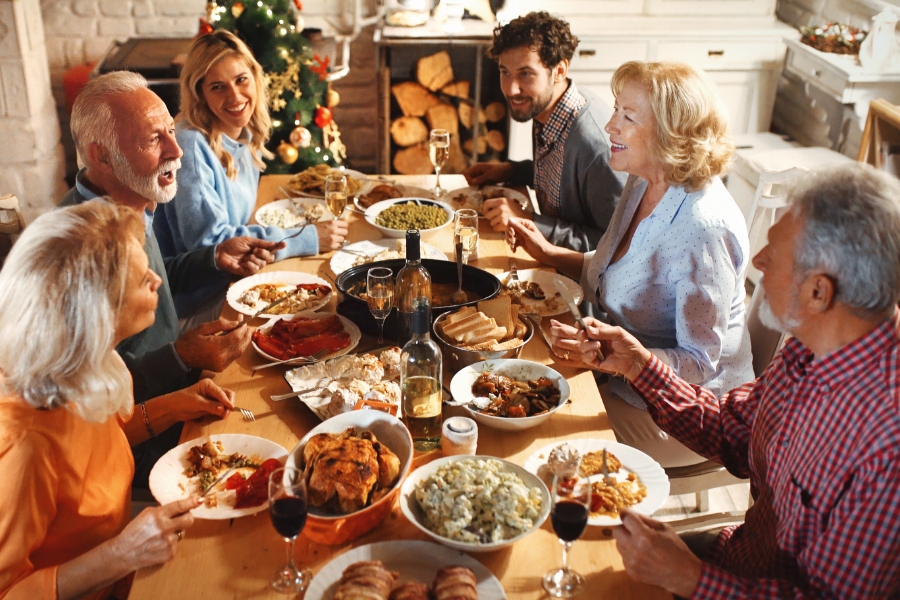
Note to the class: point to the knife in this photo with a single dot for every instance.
(261, 311)
(567, 297)
(211, 487)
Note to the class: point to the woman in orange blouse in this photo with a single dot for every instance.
(75, 284)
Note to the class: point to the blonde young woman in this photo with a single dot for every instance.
(223, 128)
(670, 268)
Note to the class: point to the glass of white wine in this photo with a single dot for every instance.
(466, 231)
(439, 151)
(380, 296)
(336, 194)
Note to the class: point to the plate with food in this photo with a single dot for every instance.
(337, 386)
(536, 293)
(423, 566)
(509, 394)
(640, 484)
(394, 217)
(304, 335)
(474, 197)
(311, 182)
(233, 468)
(253, 293)
(386, 190)
(369, 251)
(292, 212)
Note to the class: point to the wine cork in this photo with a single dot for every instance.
(460, 436)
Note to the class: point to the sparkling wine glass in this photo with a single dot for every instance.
(380, 296)
(571, 508)
(439, 151)
(336, 194)
(287, 507)
(466, 231)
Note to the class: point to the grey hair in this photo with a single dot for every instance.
(851, 231)
(61, 289)
(92, 119)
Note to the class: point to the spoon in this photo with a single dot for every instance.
(459, 296)
(478, 402)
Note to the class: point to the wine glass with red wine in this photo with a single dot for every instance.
(287, 507)
(571, 498)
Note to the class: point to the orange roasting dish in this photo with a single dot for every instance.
(302, 336)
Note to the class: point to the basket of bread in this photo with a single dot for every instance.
(490, 330)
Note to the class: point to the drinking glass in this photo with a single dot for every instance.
(336, 194)
(439, 151)
(380, 296)
(287, 507)
(466, 231)
(571, 508)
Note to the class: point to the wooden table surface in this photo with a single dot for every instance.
(234, 559)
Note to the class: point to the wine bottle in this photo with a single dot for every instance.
(413, 281)
(420, 381)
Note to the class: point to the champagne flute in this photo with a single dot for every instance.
(466, 231)
(571, 499)
(439, 151)
(336, 194)
(380, 296)
(287, 508)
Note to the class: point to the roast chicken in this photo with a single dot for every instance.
(348, 471)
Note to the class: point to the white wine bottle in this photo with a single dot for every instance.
(420, 381)
(413, 281)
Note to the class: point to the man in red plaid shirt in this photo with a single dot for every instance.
(818, 434)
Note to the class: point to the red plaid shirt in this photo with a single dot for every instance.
(549, 148)
(820, 442)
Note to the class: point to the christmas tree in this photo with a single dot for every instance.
(304, 133)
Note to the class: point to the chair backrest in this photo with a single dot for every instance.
(11, 223)
(764, 342)
(771, 192)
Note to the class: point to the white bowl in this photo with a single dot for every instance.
(373, 211)
(461, 390)
(415, 514)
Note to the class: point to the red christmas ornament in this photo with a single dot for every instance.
(321, 68)
(298, 5)
(323, 117)
(205, 28)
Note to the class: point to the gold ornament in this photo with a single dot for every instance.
(286, 81)
(237, 9)
(332, 98)
(287, 153)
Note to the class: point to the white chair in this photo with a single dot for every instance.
(771, 195)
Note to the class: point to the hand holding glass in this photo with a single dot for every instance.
(569, 514)
(439, 151)
(287, 508)
(380, 296)
(466, 232)
(336, 194)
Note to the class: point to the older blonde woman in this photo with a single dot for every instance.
(670, 268)
(75, 284)
(223, 128)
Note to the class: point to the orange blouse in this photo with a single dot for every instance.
(66, 488)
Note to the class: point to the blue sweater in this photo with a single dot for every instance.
(209, 208)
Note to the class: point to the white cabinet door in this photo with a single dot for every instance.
(749, 97)
(757, 8)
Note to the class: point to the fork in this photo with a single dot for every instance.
(298, 232)
(248, 415)
(606, 478)
(312, 358)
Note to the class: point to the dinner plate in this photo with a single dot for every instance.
(361, 178)
(349, 326)
(414, 560)
(168, 482)
(345, 258)
(406, 191)
(633, 460)
(465, 197)
(281, 213)
(287, 279)
(552, 304)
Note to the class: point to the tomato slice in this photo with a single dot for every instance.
(254, 491)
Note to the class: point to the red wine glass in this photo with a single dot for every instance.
(571, 507)
(287, 507)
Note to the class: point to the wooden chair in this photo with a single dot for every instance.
(882, 125)
(11, 224)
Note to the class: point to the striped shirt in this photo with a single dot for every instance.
(549, 148)
(820, 441)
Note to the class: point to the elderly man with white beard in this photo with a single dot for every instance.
(125, 136)
(818, 433)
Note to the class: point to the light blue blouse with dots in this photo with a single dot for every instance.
(680, 287)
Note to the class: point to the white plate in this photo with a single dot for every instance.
(406, 191)
(288, 279)
(262, 215)
(373, 211)
(488, 191)
(552, 304)
(522, 370)
(349, 326)
(168, 482)
(341, 261)
(633, 460)
(414, 560)
(361, 178)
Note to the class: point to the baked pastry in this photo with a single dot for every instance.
(411, 590)
(366, 580)
(455, 583)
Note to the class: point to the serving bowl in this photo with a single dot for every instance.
(352, 281)
(331, 529)
(376, 209)
(414, 513)
(523, 370)
(457, 358)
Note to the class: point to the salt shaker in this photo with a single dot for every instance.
(460, 436)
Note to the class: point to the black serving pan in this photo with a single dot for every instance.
(353, 280)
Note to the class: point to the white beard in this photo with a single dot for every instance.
(785, 325)
(147, 187)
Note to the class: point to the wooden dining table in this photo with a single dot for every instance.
(234, 558)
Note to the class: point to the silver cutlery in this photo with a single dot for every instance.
(211, 487)
(279, 397)
(606, 478)
(536, 322)
(312, 358)
(566, 295)
(248, 415)
(298, 232)
(290, 294)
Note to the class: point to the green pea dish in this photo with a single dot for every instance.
(394, 217)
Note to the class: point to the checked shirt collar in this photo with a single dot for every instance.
(549, 144)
